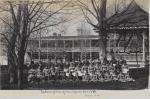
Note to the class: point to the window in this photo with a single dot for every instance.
(35, 55)
(43, 55)
(111, 43)
(95, 55)
(77, 55)
(68, 43)
(77, 43)
(87, 43)
(51, 43)
(94, 43)
(60, 43)
(44, 43)
(51, 55)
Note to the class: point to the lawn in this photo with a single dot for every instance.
(140, 76)
(141, 83)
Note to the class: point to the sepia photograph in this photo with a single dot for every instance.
(74, 45)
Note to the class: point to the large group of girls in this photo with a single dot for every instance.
(101, 70)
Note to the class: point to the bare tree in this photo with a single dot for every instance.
(97, 10)
(27, 18)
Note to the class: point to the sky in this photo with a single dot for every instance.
(77, 21)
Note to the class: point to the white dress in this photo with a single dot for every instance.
(125, 70)
(79, 73)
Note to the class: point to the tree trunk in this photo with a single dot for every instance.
(21, 54)
(11, 59)
(20, 76)
(20, 69)
(102, 46)
(11, 69)
(102, 28)
(103, 43)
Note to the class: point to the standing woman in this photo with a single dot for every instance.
(39, 74)
(84, 69)
(52, 71)
(125, 71)
(91, 69)
(78, 72)
(46, 73)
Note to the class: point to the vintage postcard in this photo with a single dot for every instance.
(74, 47)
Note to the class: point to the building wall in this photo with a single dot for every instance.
(3, 55)
(75, 48)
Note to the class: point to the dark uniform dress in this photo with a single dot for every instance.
(107, 77)
(86, 77)
(100, 77)
(52, 71)
(93, 77)
(121, 77)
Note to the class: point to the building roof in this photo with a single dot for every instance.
(68, 37)
(131, 17)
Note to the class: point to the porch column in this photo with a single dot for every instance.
(64, 59)
(115, 43)
(109, 38)
(90, 50)
(72, 50)
(81, 56)
(47, 49)
(100, 53)
(55, 49)
(143, 49)
(31, 55)
(40, 47)
(85, 49)
(31, 50)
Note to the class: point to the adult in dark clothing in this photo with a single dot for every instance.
(112, 53)
(122, 61)
(117, 68)
(113, 60)
(31, 65)
(105, 61)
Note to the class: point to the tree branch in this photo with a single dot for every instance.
(40, 23)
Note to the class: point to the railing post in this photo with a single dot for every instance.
(72, 50)
(40, 47)
(90, 50)
(143, 49)
(47, 49)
